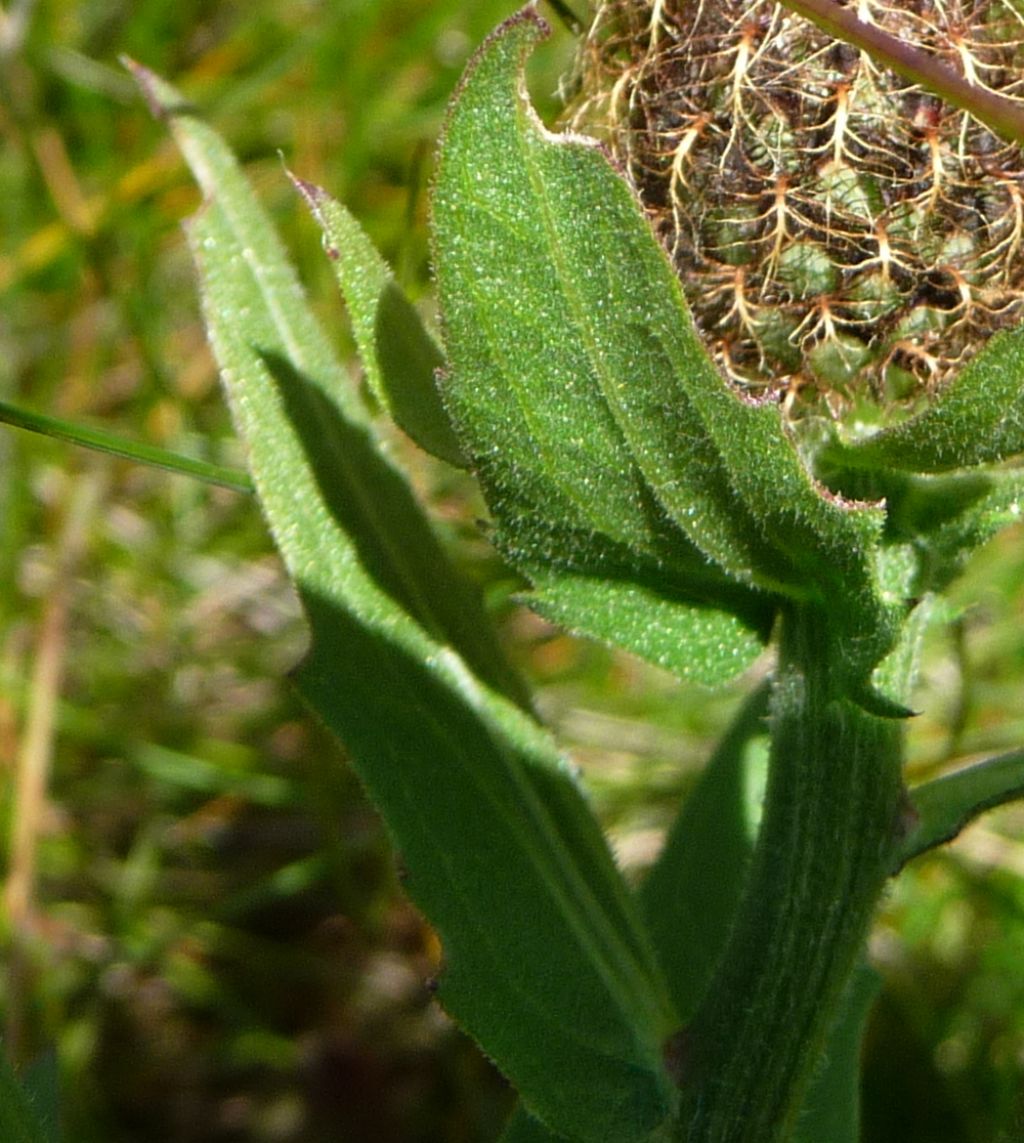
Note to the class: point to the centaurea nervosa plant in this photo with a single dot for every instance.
(747, 375)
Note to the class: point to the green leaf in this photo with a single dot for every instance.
(523, 1128)
(190, 772)
(950, 545)
(694, 642)
(247, 266)
(978, 419)
(41, 1081)
(565, 492)
(941, 808)
(666, 608)
(691, 893)
(546, 962)
(832, 1108)
(399, 356)
(582, 394)
(20, 1119)
(502, 854)
(943, 517)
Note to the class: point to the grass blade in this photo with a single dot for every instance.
(102, 441)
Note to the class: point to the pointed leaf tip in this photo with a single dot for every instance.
(162, 99)
(398, 355)
(314, 196)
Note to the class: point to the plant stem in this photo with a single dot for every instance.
(825, 848)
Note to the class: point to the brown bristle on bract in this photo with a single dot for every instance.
(837, 229)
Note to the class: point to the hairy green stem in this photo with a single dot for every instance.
(830, 828)
(1004, 116)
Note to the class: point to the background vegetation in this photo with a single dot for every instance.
(202, 921)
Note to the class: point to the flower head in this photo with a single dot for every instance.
(837, 229)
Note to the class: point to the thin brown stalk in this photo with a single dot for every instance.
(36, 751)
(1004, 116)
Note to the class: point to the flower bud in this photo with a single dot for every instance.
(837, 229)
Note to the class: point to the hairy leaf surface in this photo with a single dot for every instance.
(946, 805)
(399, 355)
(978, 419)
(546, 964)
(25, 1117)
(582, 394)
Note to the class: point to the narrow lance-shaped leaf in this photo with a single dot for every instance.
(524, 372)
(978, 419)
(690, 895)
(394, 538)
(502, 854)
(832, 1108)
(523, 1128)
(541, 941)
(578, 384)
(399, 356)
(22, 1120)
(572, 509)
(944, 806)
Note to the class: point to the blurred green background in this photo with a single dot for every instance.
(202, 924)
